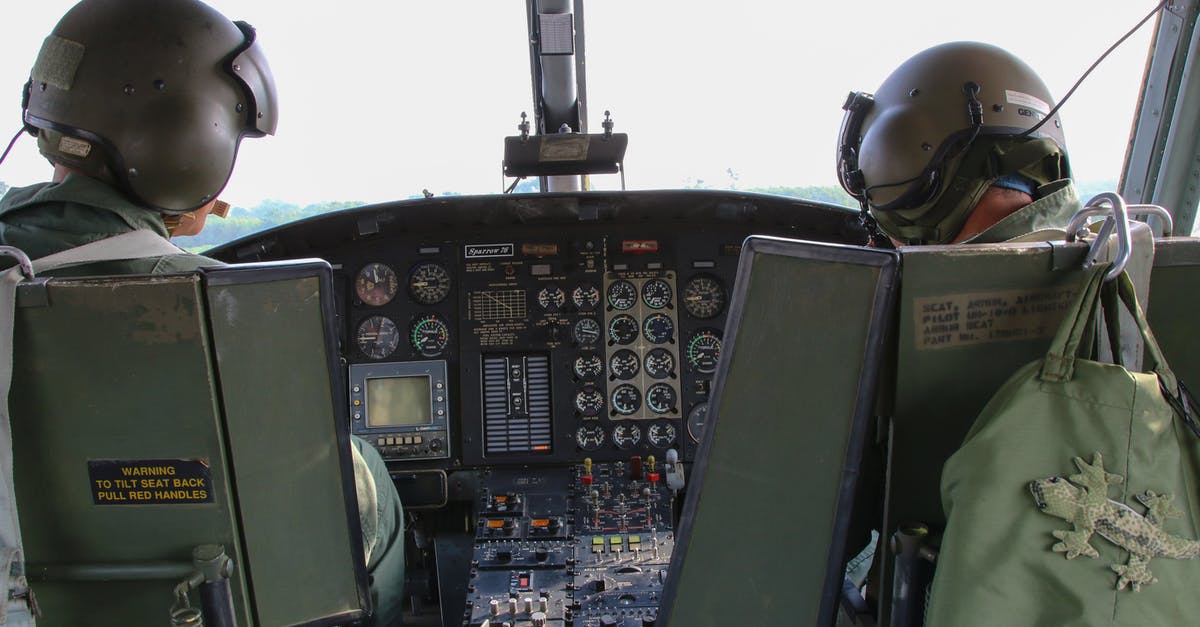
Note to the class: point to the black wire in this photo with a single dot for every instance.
(1120, 41)
(11, 144)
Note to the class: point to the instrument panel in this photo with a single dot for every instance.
(567, 325)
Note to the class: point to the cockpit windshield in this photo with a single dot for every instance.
(387, 101)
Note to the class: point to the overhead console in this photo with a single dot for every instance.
(519, 329)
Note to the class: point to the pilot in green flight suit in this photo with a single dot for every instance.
(960, 144)
(141, 105)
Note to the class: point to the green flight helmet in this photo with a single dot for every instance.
(943, 127)
(152, 96)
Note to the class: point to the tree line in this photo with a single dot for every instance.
(271, 213)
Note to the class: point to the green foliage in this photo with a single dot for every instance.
(242, 222)
(272, 213)
(826, 193)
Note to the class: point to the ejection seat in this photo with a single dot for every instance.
(181, 431)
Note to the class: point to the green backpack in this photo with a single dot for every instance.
(1075, 497)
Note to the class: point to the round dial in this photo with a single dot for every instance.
(703, 350)
(661, 434)
(589, 401)
(660, 363)
(376, 284)
(429, 283)
(588, 366)
(703, 296)
(589, 437)
(377, 337)
(623, 364)
(626, 435)
(622, 329)
(662, 399)
(586, 331)
(626, 399)
(429, 335)
(659, 328)
(656, 293)
(551, 298)
(585, 297)
(622, 295)
(695, 421)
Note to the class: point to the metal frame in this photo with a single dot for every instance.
(1162, 166)
(876, 345)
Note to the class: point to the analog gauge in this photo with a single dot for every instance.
(585, 297)
(662, 399)
(429, 335)
(377, 337)
(588, 366)
(660, 363)
(375, 284)
(656, 293)
(659, 328)
(589, 437)
(695, 421)
(586, 331)
(622, 329)
(551, 298)
(429, 283)
(622, 295)
(626, 399)
(627, 435)
(703, 350)
(623, 365)
(703, 296)
(661, 434)
(589, 401)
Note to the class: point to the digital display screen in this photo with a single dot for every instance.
(398, 401)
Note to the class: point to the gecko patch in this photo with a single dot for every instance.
(1082, 500)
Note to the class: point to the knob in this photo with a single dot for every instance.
(435, 445)
(543, 603)
(608, 621)
(538, 618)
(528, 605)
(512, 606)
(494, 607)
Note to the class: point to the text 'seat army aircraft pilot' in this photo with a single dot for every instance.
(960, 143)
(140, 105)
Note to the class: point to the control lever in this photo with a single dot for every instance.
(674, 469)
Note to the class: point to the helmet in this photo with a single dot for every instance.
(153, 96)
(943, 127)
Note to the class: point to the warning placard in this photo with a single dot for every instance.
(150, 481)
(976, 318)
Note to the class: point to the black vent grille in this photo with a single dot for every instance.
(516, 405)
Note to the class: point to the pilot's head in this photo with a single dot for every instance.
(943, 149)
(151, 96)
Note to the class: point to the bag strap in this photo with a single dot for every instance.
(1077, 326)
(1154, 359)
(17, 604)
(1080, 323)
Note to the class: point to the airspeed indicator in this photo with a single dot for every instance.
(703, 296)
(429, 283)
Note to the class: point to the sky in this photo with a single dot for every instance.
(380, 100)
